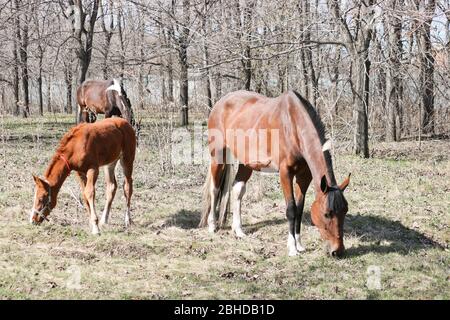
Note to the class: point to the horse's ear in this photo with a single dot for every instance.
(39, 181)
(324, 184)
(344, 184)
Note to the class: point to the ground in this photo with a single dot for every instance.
(396, 232)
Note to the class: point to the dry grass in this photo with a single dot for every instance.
(398, 220)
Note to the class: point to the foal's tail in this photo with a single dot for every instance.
(226, 181)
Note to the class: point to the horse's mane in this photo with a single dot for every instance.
(62, 144)
(336, 200)
(314, 116)
(320, 127)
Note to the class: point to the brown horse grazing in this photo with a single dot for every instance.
(281, 134)
(106, 97)
(84, 149)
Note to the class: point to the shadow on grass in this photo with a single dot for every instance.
(385, 236)
(378, 234)
(184, 219)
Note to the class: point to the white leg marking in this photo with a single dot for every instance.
(93, 218)
(292, 250)
(298, 243)
(32, 211)
(111, 188)
(212, 214)
(237, 195)
(127, 218)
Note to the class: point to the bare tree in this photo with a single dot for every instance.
(426, 64)
(357, 44)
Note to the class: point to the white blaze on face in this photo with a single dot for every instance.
(115, 87)
(32, 208)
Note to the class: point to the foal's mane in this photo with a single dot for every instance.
(61, 146)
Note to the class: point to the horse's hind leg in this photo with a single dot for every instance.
(216, 173)
(127, 165)
(89, 193)
(111, 187)
(238, 191)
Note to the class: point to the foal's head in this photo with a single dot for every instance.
(327, 214)
(42, 201)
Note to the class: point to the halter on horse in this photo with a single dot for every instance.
(282, 134)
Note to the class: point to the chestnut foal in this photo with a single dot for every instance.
(84, 149)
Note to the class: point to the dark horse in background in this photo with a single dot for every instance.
(106, 97)
(296, 148)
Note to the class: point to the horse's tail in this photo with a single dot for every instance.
(226, 181)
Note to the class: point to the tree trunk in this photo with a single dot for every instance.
(108, 35)
(49, 94)
(16, 85)
(361, 68)
(427, 70)
(206, 58)
(393, 82)
(141, 62)
(41, 94)
(183, 60)
(122, 44)
(68, 81)
(335, 82)
(24, 64)
(184, 86)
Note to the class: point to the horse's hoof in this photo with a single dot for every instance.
(300, 248)
(212, 229)
(128, 224)
(239, 233)
(95, 232)
(293, 253)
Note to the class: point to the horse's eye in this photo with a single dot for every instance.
(328, 215)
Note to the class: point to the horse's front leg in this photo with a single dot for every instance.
(286, 179)
(89, 193)
(303, 179)
(83, 180)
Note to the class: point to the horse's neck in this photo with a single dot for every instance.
(317, 162)
(56, 174)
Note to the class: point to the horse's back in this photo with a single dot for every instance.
(246, 109)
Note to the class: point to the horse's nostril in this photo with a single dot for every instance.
(334, 253)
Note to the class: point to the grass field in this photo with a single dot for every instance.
(396, 232)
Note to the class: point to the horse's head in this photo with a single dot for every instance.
(127, 106)
(42, 201)
(328, 213)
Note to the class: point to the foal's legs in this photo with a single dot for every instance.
(83, 180)
(127, 165)
(238, 192)
(216, 173)
(286, 178)
(302, 179)
(89, 193)
(111, 187)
